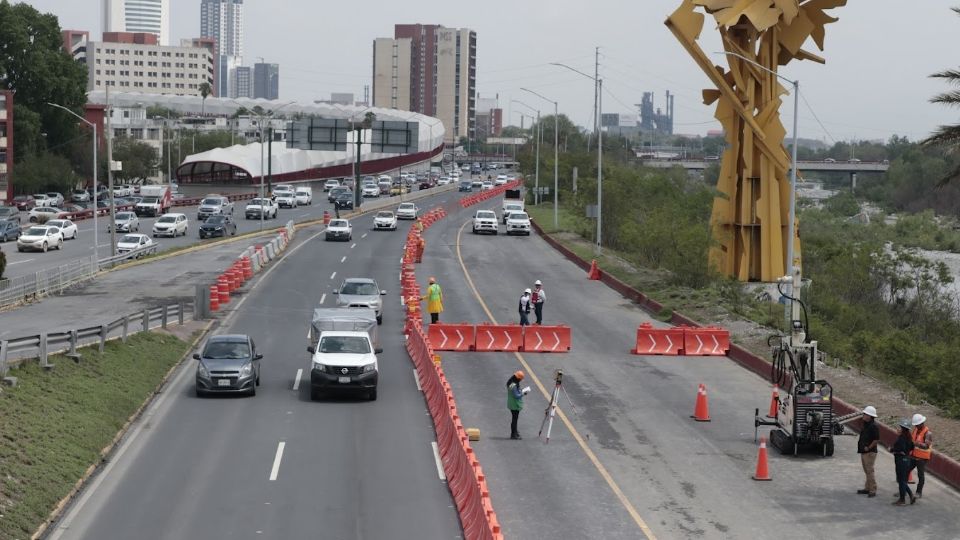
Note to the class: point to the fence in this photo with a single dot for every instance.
(40, 346)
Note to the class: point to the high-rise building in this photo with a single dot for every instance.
(242, 82)
(266, 81)
(222, 20)
(429, 69)
(75, 44)
(129, 62)
(148, 16)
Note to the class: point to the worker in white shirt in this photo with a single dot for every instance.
(525, 308)
(537, 298)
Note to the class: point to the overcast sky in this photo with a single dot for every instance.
(875, 82)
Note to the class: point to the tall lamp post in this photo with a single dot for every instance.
(356, 162)
(792, 233)
(556, 154)
(598, 103)
(93, 127)
(536, 181)
(260, 119)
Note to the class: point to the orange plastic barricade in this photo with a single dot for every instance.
(452, 337)
(504, 337)
(659, 341)
(547, 339)
(708, 341)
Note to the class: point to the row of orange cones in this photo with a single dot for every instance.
(701, 413)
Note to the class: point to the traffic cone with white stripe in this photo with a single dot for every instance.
(763, 471)
(774, 402)
(701, 411)
(594, 273)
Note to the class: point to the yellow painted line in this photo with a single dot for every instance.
(563, 417)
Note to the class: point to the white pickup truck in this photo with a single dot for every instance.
(156, 200)
(511, 197)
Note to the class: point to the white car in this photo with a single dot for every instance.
(385, 219)
(171, 225)
(501, 180)
(485, 221)
(67, 227)
(518, 223)
(122, 191)
(455, 173)
(330, 184)
(509, 208)
(304, 196)
(486, 186)
(41, 199)
(126, 222)
(371, 190)
(407, 210)
(339, 229)
(80, 195)
(41, 213)
(444, 180)
(285, 199)
(56, 199)
(264, 206)
(133, 242)
(343, 360)
(40, 238)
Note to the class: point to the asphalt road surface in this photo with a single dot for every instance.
(279, 465)
(625, 459)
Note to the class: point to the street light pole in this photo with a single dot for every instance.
(93, 128)
(556, 155)
(536, 181)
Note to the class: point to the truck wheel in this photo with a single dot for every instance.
(314, 394)
(372, 396)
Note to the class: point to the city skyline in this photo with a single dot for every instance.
(637, 55)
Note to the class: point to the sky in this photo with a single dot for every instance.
(875, 83)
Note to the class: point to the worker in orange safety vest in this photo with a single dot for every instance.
(922, 448)
(421, 245)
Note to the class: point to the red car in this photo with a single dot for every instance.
(24, 202)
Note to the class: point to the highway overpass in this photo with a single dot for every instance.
(852, 167)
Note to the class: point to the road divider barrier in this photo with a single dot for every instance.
(706, 341)
(547, 339)
(475, 198)
(499, 337)
(681, 341)
(452, 337)
(486, 337)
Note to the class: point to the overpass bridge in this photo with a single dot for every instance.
(852, 167)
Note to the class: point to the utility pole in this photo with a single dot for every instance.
(113, 221)
(270, 159)
(596, 98)
(356, 171)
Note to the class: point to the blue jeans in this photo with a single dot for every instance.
(903, 464)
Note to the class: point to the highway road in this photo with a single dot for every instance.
(627, 461)
(278, 465)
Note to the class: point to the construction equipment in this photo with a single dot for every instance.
(804, 419)
(552, 406)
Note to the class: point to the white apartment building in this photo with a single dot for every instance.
(147, 16)
(150, 69)
(222, 20)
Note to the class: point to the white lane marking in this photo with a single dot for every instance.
(416, 379)
(436, 457)
(305, 214)
(296, 381)
(333, 275)
(342, 260)
(323, 297)
(364, 235)
(20, 262)
(351, 247)
(276, 461)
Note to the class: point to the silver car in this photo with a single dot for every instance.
(229, 364)
(361, 292)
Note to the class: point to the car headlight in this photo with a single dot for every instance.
(317, 366)
(202, 370)
(246, 370)
(370, 368)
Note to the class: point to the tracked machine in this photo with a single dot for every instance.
(804, 420)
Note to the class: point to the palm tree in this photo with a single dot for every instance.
(205, 91)
(948, 136)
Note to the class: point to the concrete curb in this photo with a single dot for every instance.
(941, 466)
(57, 511)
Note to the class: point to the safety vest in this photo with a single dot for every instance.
(918, 436)
(433, 293)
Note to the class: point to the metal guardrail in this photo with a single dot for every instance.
(15, 351)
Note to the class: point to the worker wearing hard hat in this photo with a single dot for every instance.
(524, 308)
(434, 298)
(922, 448)
(515, 401)
(901, 450)
(537, 298)
(867, 448)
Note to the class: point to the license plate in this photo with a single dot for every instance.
(344, 380)
(223, 382)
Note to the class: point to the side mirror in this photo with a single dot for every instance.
(383, 293)
(312, 350)
(378, 350)
(196, 356)
(258, 356)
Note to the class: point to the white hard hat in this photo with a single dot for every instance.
(527, 291)
(918, 419)
(870, 410)
(537, 282)
(905, 423)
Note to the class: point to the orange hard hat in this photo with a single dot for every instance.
(519, 375)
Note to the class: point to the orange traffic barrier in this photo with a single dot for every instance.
(665, 341)
(701, 411)
(214, 298)
(223, 289)
(763, 471)
(234, 278)
(503, 337)
(326, 217)
(707, 341)
(547, 339)
(247, 268)
(594, 273)
(774, 402)
(451, 337)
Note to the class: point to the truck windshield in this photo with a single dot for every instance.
(344, 345)
(149, 200)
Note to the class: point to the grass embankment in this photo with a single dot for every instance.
(54, 424)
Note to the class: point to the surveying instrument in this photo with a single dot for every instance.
(552, 407)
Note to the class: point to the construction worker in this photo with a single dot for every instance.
(525, 308)
(515, 402)
(418, 225)
(537, 298)
(421, 245)
(434, 298)
(867, 448)
(901, 450)
(922, 449)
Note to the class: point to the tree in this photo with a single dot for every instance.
(205, 91)
(44, 171)
(3, 263)
(948, 136)
(140, 160)
(34, 65)
(369, 119)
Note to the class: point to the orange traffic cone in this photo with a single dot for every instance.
(763, 472)
(594, 272)
(701, 411)
(910, 479)
(774, 402)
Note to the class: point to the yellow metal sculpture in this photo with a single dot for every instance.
(751, 217)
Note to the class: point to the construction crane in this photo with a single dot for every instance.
(804, 414)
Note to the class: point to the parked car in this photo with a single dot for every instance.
(218, 226)
(55, 198)
(67, 227)
(407, 210)
(343, 361)
(330, 184)
(518, 223)
(133, 242)
(9, 213)
(79, 195)
(24, 202)
(172, 225)
(363, 293)
(339, 229)
(371, 191)
(385, 219)
(304, 196)
(228, 364)
(344, 200)
(126, 222)
(257, 208)
(43, 213)
(40, 238)
(9, 230)
(214, 205)
(485, 221)
(41, 199)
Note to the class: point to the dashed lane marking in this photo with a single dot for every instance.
(296, 381)
(275, 470)
(333, 275)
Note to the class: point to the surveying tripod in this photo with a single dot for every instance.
(552, 407)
